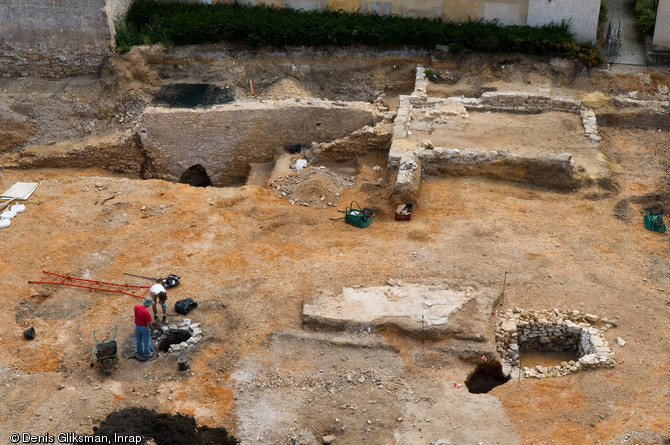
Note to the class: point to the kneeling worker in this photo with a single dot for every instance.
(158, 292)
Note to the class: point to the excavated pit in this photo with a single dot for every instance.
(173, 338)
(531, 359)
(554, 343)
(161, 429)
(486, 377)
(193, 95)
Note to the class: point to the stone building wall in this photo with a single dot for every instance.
(582, 15)
(226, 139)
(53, 38)
(118, 152)
(418, 112)
(544, 169)
(661, 40)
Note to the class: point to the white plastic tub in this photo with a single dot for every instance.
(7, 214)
(5, 223)
(18, 208)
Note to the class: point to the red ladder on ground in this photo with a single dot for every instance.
(128, 289)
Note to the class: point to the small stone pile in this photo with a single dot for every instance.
(312, 186)
(519, 330)
(193, 329)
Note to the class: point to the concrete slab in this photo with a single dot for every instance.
(632, 50)
(415, 309)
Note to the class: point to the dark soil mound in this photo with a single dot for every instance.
(164, 429)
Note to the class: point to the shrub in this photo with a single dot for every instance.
(645, 15)
(150, 22)
(127, 36)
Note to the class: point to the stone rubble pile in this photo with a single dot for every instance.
(312, 186)
(437, 113)
(519, 330)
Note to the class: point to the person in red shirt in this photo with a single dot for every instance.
(143, 328)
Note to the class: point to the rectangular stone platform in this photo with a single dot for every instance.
(414, 309)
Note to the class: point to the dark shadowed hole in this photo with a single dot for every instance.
(173, 338)
(161, 429)
(485, 378)
(196, 176)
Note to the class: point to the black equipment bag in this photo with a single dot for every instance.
(185, 306)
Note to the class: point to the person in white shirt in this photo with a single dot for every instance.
(159, 295)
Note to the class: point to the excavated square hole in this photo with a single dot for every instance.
(547, 344)
(531, 359)
(179, 337)
(193, 95)
(550, 343)
(173, 338)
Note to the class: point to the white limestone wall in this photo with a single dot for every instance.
(583, 15)
(115, 9)
(661, 39)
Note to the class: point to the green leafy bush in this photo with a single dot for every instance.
(645, 15)
(150, 22)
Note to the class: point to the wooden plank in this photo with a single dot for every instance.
(6, 204)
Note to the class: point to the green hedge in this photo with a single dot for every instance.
(645, 15)
(150, 22)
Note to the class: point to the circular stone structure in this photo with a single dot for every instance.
(179, 337)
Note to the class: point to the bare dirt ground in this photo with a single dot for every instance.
(249, 258)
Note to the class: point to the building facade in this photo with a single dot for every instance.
(661, 40)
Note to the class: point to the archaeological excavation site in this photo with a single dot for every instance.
(394, 247)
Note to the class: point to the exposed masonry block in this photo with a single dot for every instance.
(422, 113)
(56, 39)
(239, 134)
